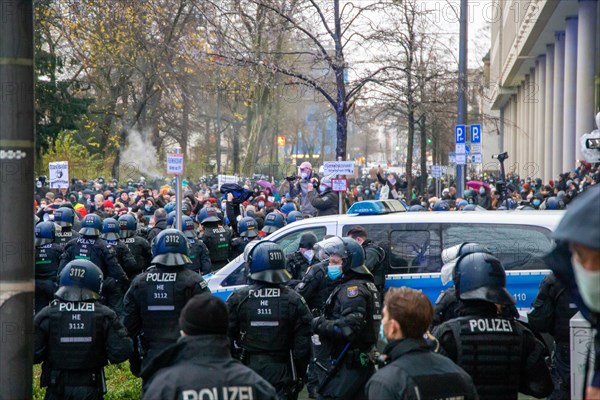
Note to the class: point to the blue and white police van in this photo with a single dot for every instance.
(414, 242)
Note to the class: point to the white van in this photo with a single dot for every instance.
(414, 241)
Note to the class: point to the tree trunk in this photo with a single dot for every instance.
(341, 106)
(423, 187)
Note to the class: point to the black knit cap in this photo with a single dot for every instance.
(204, 314)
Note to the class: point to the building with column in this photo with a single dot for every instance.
(545, 80)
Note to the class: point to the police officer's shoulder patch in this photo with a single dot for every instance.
(300, 285)
(372, 286)
(352, 291)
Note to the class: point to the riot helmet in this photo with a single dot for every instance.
(307, 240)
(247, 227)
(470, 207)
(64, 216)
(451, 255)
(267, 263)
(110, 229)
(91, 225)
(481, 276)
(349, 250)
(188, 228)
(294, 216)
(288, 208)
(128, 225)
(80, 280)
(273, 221)
(441, 205)
(416, 208)
(552, 203)
(171, 216)
(44, 233)
(207, 214)
(170, 247)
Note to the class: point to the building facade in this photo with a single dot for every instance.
(545, 63)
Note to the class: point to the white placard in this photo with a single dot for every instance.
(460, 159)
(59, 174)
(175, 164)
(223, 179)
(460, 148)
(339, 185)
(475, 158)
(338, 168)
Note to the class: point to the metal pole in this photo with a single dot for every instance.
(462, 87)
(17, 149)
(178, 203)
(339, 194)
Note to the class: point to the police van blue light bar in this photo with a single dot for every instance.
(377, 207)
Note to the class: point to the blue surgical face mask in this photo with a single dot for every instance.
(382, 335)
(334, 271)
(322, 188)
(304, 175)
(537, 202)
(148, 208)
(261, 204)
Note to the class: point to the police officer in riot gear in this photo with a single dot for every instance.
(157, 296)
(198, 251)
(110, 233)
(65, 218)
(350, 324)
(47, 257)
(298, 262)
(76, 336)
(374, 255)
(200, 363)
(271, 322)
(248, 231)
(509, 358)
(139, 247)
(216, 237)
(91, 247)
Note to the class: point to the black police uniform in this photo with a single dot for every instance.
(551, 313)
(96, 250)
(140, 248)
(238, 244)
(65, 236)
(124, 257)
(268, 321)
(413, 371)
(203, 364)
(374, 261)
(352, 316)
(200, 257)
(218, 241)
(153, 304)
(297, 265)
(316, 287)
(326, 203)
(159, 226)
(501, 355)
(47, 258)
(75, 340)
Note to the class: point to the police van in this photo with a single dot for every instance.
(414, 241)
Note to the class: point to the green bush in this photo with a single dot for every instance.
(120, 383)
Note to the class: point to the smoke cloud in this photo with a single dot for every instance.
(140, 155)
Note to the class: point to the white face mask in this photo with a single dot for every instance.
(304, 175)
(308, 254)
(587, 283)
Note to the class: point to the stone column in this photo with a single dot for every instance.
(515, 128)
(549, 109)
(540, 120)
(570, 95)
(586, 44)
(557, 119)
(532, 100)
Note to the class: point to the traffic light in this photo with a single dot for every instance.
(429, 141)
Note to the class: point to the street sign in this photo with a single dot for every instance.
(467, 149)
(223, 179)
(461, 148)
(475, 159)
(461, 134)
(476, 133)
(437, 171)
(461, 159)
(338, 168)
(339, 185)
(175, 164)
(475, 148)
(451, 157)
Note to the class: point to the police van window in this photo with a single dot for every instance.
(289, 243)
(414, 251)
(519, 247)
(238, 277)
(379, 234)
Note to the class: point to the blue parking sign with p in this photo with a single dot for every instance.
(461, 134)
(476, 133)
